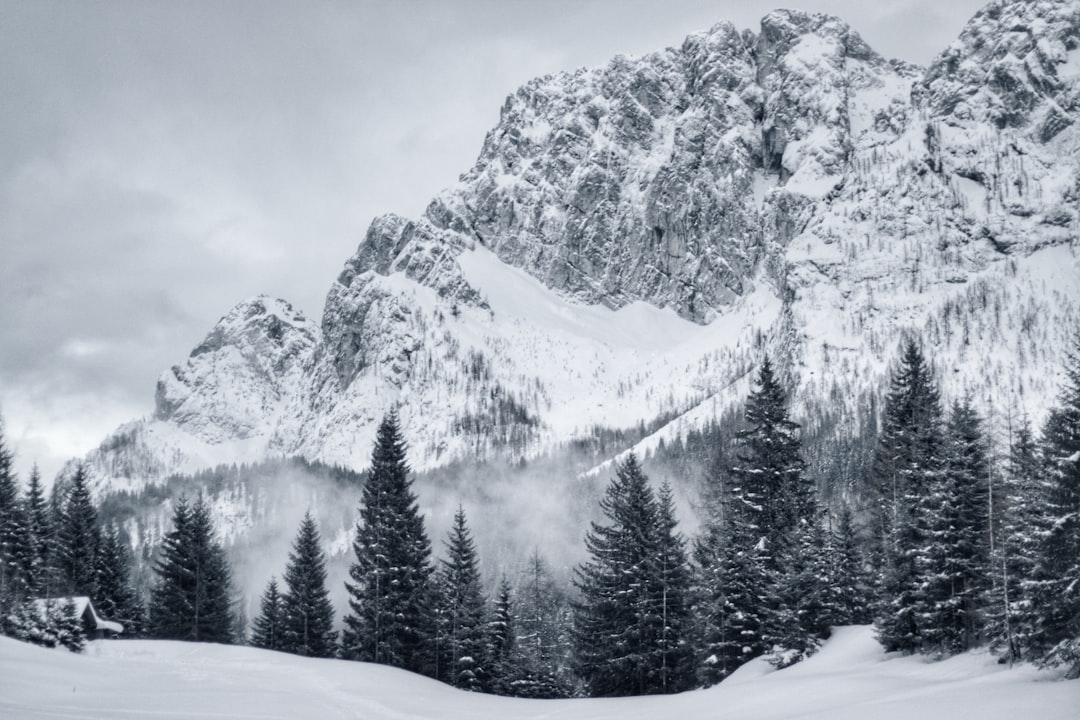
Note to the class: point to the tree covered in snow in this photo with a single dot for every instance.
(1056, 576)
(13, 535)
(116, 597)
(732, 595)
(671, 603)
(390, 619)
(760, 570)
(464, 642)
(503, 641)
(907, 461)
(801, 615)
(39, 528)
(629, 586)
(191, 597)
(847, 585)
(767, 477)
(77, 539)
(539, 666)
(267, 628)
(307, 615)
(1010, 612)
(952, 562)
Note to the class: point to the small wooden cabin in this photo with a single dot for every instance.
(95, 627)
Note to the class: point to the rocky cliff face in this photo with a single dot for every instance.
(632, 237)
(646, 179)
(234, 383)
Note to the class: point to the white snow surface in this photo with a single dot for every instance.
(851, 678)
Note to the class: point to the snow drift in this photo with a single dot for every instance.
(851, 678)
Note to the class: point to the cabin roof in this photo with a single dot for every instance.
(83, 608)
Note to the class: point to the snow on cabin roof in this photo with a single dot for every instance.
(81, 604)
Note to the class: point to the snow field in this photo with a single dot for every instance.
(851, 678)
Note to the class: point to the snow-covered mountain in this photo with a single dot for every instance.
(632, 238)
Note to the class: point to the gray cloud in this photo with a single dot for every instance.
(160, 162)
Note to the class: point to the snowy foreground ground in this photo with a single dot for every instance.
(850, 678)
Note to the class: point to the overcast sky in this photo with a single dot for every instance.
(162, 161)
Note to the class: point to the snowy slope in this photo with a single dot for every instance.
(633, 237)
(850, 679)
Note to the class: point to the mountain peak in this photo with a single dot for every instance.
(631, 237)
(1015, 64)
(258, 345)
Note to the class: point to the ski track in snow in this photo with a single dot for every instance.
(851, 678)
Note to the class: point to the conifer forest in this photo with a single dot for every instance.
(951, 541)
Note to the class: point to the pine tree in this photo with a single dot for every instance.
(1012, 619)
(952, 561)
(801, 619)
(846, 585)
(733, 592)
(463, 613)
(390, 596)
(47, 622)
(1056, 582)
(906, 462)
(78, 538)
(768, 472)
(307, 616)
(618, 638)
(670, 594)
(68, 626)
(14, 536)
(190, 600)
(542, 645)
(502, 633)
(116, 598)
(26, 623)
(40, 533)
(758, 585)
(267, 633)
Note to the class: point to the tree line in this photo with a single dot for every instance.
(943, 549)
(55, 547)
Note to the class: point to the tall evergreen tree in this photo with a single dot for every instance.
(502, 633)
(757, 582)
(768, 472)
(670, 592)
(1011, 617)
(801, 619)
(390, 596)
(1056, 582)
(268, 630)
(40, 534)
(906, 463)
(847, 585)
(466, 650)
(307, 616)
(116, 598)
(733, 592)
(542, 645)
(621, 642)
(78, 537)
(191, 598)
(953, 559)
(14, 535)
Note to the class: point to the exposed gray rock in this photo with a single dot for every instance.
(791, 185)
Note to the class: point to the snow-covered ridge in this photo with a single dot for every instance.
(633, 237)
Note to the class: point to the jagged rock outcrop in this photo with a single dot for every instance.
(234, 383)
(631, 237)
